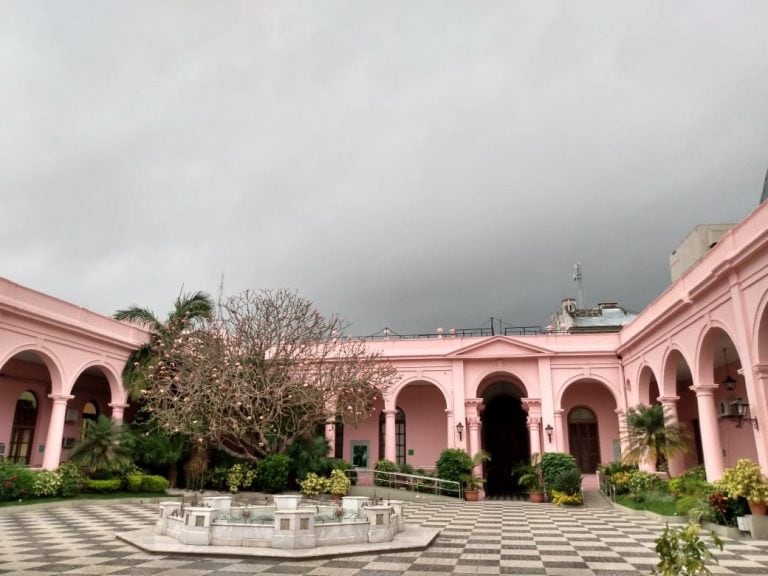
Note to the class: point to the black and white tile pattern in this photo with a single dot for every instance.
(492, 537)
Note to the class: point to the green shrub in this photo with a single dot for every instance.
(384, 479)
(16, 482)
(643, 483)
(553, 464)
(273, 473)
(563, 499)
(46, 483)
(151, 483)
(339, 483)
(608, 470)
(568, 482)
(684, 505)
(103, 486)
(239, 476)
(133, 482)
(216, 478)
(71, 479)
(682, 552)
(314, 485)
(454, 465)
(406, 469)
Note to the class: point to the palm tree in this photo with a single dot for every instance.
(159, 449)
(106, 448)
(188, 310)
(652, 435)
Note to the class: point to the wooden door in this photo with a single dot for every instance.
(585, 445)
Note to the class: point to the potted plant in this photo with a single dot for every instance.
(339, 484)
(473, 483)
(531, 478)
(746, 480)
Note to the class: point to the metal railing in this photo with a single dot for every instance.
(387, 334)
(401, 481)
(607, 488)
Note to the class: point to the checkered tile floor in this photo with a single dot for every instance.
(478, 538)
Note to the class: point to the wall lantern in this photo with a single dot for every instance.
(549, 431)
(728, 382)
(738, 411)
(460, 429)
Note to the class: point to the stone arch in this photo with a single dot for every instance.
(672, 355)
(579, 377)
(49, 358)
(648, 389)
(760, 331)
(118, 394)
(706, 350)
(492, 376)
(447, 398)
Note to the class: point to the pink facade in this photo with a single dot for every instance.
(708, 329)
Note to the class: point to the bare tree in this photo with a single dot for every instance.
(264, 372)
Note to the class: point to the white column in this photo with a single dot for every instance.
(561, 442)
(450, 433)
(534, 434)
(710, 430)
(52, 455)
(669, 405)
(118, 411)
(390, 445)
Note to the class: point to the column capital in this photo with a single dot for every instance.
(116, 405)
(533, 423)
(60, 398)
(390, 412)
(531, 404)
(702, 390)
(449, 412)
(473, 423)
(668, 399)
(558, 411)
(619, 411)
(473, 402)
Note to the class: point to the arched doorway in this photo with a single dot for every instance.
(23, 430)
(584, 438)
(505, 435)
(90, 414)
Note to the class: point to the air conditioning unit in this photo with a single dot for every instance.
(724, 410)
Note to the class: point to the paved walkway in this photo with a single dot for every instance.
(489, 537)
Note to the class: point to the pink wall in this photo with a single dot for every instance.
(426, 427)
(599, 399)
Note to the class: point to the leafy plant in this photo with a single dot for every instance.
(153, 483)
(46, 483)
(553, 464)
(682, 552)
(568, 483)
(339, 483)
(105, 450)
(454, 465)
(471, 480)
(385, 479)
(313, 485)
(273, 472)
(133, 482)
(102, 486)
(744, 480)
(310, 455)
(642, 483)
(16, 482)
(565, 499)
(239, 476)
(530, 475)
(652, 434)
(71, 479)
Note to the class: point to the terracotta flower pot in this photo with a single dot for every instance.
(757, 508)
(471, 495)
(536, 497)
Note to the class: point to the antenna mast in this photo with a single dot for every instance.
(577, 277)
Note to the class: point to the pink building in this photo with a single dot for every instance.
(700, 349)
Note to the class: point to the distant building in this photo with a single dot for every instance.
(607, 317)
(700, 241)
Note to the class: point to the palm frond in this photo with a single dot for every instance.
(139, 315)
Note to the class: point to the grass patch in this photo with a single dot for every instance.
(87, 496)
(665, 508)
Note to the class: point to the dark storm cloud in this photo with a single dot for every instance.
(405, 164)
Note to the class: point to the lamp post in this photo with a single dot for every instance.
(549, 431)
(460, 429)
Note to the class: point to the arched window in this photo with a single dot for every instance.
(399, 436)
(23, 430)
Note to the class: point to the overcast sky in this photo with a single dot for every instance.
(404, 164)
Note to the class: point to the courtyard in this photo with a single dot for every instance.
(490, 537)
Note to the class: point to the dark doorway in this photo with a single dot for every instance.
(505, 437)
(583, 439)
